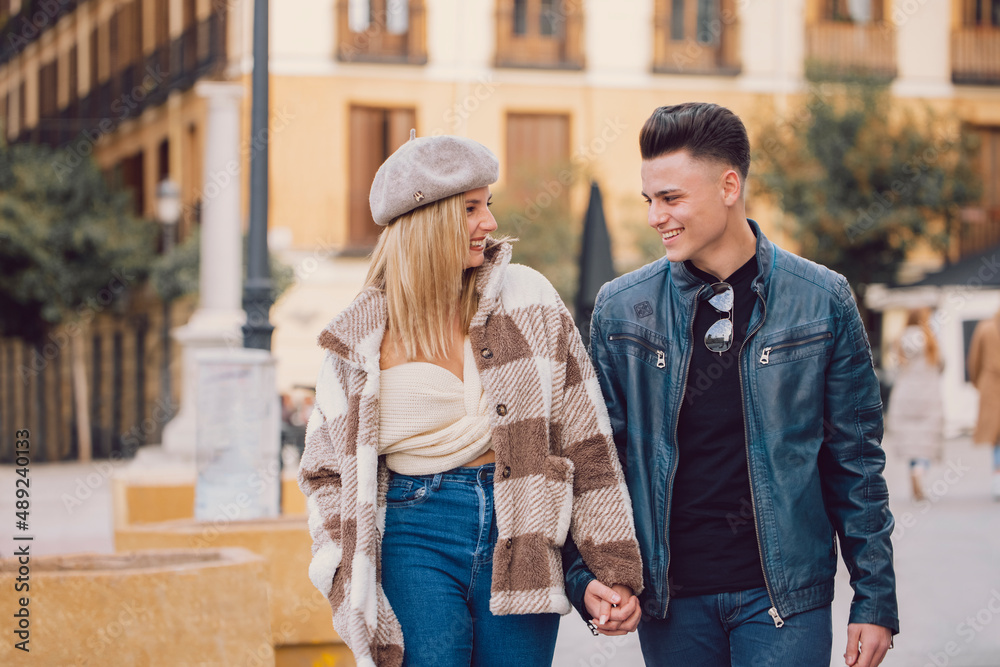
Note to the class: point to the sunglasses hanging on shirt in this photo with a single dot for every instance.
(719, 337)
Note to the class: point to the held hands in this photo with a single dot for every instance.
(615, 610)
(866, 644)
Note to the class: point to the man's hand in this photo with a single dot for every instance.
(615, 610)
(866, 644)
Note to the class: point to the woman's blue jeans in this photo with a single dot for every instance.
(735, 630)
(437, 570)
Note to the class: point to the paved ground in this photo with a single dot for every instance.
(947, 559)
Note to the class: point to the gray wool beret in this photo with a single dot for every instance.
(427, 169)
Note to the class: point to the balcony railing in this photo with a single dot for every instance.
(690, 56)
(27, 26)
(199, 52)
(975, 55)
(843, 49)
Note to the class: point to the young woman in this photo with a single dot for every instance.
(914, 422)
(459, 435)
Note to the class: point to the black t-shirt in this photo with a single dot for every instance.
(713, 543)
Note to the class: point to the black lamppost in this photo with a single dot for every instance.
(257, 291)
(168, 214)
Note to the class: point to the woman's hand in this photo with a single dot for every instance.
(615, 610)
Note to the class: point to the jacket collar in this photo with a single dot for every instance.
(687, 284)
(355, 334)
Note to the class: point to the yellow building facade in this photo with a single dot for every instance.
(545, 84)
(558, 89)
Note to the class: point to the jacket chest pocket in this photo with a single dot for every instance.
(646, 365)
(625, 338)
(789, 381)
(795, 348)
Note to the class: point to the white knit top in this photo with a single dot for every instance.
(429, 420)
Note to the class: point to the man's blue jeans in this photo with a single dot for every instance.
(437, 569)
(734, 629)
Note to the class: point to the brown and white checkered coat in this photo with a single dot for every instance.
(557, 468)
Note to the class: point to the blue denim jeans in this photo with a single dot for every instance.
(735, 630)
(437, 570)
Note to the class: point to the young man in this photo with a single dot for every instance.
(745, 408)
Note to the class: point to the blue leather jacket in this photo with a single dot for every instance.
(812, 420)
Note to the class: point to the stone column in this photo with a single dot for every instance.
(217, 321)
(772, 46)
(923, 48)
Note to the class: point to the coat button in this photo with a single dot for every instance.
(487, 353)
(506, 471)
(510, 542)
(502, 410)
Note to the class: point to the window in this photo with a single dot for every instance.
(975, 44)
(537, 153)
(381, 31)
(982, 13)
(854, 11)
(69, 115)
(540, 33)
(73, 65)
(22, 108)
(375, 134)
(114, 50)
(161, 30)
(48, 95)
(126, 51)
(696, 37)
(132, 174)
(189, 38)
(163, 161)
(95, 71)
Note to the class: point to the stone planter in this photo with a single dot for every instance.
(157, 608)
(300, 615)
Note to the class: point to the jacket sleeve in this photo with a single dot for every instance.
(320, 480)
(851, 462)
(603, 542)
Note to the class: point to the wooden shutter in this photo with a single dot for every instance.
(537, 149)
(375, 134)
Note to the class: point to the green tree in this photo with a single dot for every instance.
(70, 248)
(534, 209)
(864, 180)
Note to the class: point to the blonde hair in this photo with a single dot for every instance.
(921, 317)
(419, 263)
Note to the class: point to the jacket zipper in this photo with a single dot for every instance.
(661, 356)
(773, 611)
(673, 471)
(765, 355)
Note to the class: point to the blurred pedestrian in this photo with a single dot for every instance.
(458, 438)
(914, 422)
(984, 372)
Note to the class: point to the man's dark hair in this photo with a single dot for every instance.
(706, 131)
